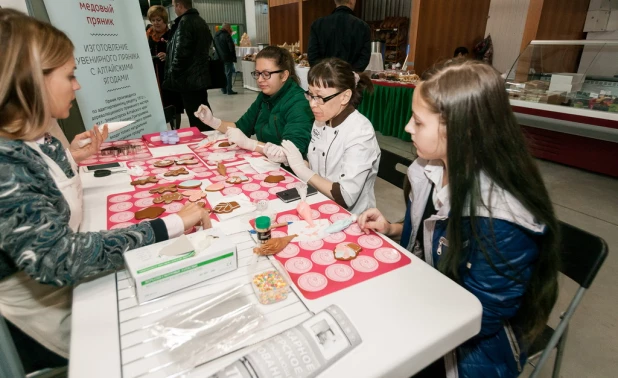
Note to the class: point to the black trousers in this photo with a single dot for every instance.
(191, 101)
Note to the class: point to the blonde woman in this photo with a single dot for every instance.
(42, 251)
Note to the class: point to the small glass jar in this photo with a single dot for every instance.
(270, 287)
(262, 229)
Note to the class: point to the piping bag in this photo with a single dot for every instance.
(111, 127)
(303, 208)
(341, 224)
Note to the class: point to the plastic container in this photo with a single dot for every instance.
(270, 286)
(262, 228)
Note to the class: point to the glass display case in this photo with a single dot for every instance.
(580, 74)
(565, 96)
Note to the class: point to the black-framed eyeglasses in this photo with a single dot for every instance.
(321, 100)
(265, 74)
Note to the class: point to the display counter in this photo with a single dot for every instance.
(565, 96)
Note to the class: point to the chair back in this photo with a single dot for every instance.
(393, 168)
(582, 254)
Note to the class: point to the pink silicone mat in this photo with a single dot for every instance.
(144, 153)
(312, 265)
(209, 155)
(256, 189)
(121, 207)
(200, 170)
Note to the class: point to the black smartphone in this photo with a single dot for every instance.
(91, 168)
(291, 195)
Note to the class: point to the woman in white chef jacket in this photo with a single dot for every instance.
(343, 155)
(42, 252)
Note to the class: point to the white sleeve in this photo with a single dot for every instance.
(174, 224)
(357, 163)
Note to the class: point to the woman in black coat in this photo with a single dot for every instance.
(158, 35)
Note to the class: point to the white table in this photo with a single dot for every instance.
(240, 53)
(248, 82)
(375, 62)
(406, 318)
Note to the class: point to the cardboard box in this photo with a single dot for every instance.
(154, 275)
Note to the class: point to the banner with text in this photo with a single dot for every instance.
(114, 66)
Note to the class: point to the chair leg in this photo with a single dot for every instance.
(560, 353)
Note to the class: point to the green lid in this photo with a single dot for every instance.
(262, 223)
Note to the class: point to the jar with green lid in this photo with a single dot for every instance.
(262, 229)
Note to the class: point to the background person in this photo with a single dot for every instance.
(227, 49)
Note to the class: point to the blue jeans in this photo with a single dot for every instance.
(229, 75)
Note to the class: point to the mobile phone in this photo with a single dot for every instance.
(90, 168)
(291, 195)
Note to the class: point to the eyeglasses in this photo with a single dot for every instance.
(265, 74)
(321, 100)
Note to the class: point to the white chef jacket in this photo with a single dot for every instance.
(347, 154)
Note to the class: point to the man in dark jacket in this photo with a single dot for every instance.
(187, 62)
(341, 35)
(226, 51)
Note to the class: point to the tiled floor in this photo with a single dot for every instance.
(584, 199)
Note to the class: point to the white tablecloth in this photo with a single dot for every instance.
(375, 62)
(240, 53)
(248, 82)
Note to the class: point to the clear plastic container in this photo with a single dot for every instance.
(270, 286)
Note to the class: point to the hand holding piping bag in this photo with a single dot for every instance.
(303, 208)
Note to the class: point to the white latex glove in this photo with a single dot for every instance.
(236, 136)
(296, 162)
(275, 153)
(205, 115)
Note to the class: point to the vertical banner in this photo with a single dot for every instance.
(114, 66)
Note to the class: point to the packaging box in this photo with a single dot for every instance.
(155, 275)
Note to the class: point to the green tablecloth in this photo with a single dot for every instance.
(389, 109)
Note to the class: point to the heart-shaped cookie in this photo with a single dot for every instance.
(194, 195)
(215, 187)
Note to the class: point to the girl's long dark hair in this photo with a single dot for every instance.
(484, 136)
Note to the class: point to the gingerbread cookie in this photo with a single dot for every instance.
(163, 189)
(151, 212)
(224, 144)
(347, 252)
(194, 195)
(190, 161)
(176, 172)
(190, 184)
(221, 169)
(168, 198)
(274, 179)
(225, 207)
(215, 187)
(144, 181)
(237, 179)
(163, 163)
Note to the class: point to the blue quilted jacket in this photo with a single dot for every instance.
(504, 226)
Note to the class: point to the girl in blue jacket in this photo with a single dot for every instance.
(479, 212)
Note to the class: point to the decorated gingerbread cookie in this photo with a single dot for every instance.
(144, 181)
(190, 184)
(221, 169)
(163, 163)
(194, 195)
(176, 172)
(168, 198)
(237, 179)
(190, 161)
(347, 251)
(274, 179)
(163, 189)
(225, 207)
(215, 187)
(151, 212)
